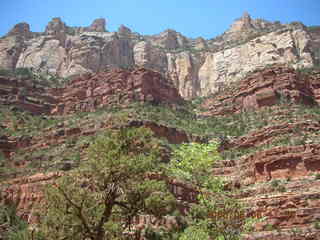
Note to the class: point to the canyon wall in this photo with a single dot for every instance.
(197, 67)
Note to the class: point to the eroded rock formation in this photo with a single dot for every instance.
(277, 169)
(197, 67)
(89, 93)
(26, 95)
(266, 88)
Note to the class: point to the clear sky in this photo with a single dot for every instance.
(193, 18)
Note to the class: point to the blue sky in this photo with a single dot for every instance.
(193, 18)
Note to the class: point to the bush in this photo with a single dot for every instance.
(282, 188)
(193, 162)
(14, 227)
(24, 72)
(216, 214)
(316, 225)
(275, 183)
(6, 72)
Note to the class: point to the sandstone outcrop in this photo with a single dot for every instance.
(197, 67)
(20, 29)
(25, 95)
(10, 49)
(89, 93)
(98, 25)
(56, 27)
(245, 27)
(265, 88)
(27, 193)
(233, 64)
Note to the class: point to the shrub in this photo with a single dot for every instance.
(216, 215)
(5, 72)
(282, 188)
(316, 225)
(24, 72)
(14, 227)
(275, 183)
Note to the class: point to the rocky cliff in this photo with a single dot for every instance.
(197, 67)
(267, 124)
(116, 87)
(265, 88)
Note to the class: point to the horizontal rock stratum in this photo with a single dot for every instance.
(89, 92)
(197, 67)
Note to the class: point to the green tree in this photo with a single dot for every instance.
(193, 162)
(100, 199)
(12, 227)
(216, 214)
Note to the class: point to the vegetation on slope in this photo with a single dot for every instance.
(204, 218)
(123, 179)
(44, 79)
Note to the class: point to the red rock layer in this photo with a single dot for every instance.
(265, 88)
(26, 95)
(27, 192)
(116, 87)
(269, 134)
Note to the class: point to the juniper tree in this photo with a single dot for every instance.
(100, 199)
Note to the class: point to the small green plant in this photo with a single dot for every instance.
(282, 188)
(269, 227)
(6, 72)
(317, 176)
(296, 231)
(14, 227)
(316, 225)
(275, 183)
(24, 73)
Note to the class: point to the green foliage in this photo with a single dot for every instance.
(216, 215)
(18, 72)
(101, 198)
(219, 215)
(12, 227)
(24, 73)
(193, 162)
(269, 227)
(275, 183)
(5, 72)
(197, 232)
(150, 233)
(316, 225)
(278, 186)
(308, 70)
(24, 123)
(37, 77)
